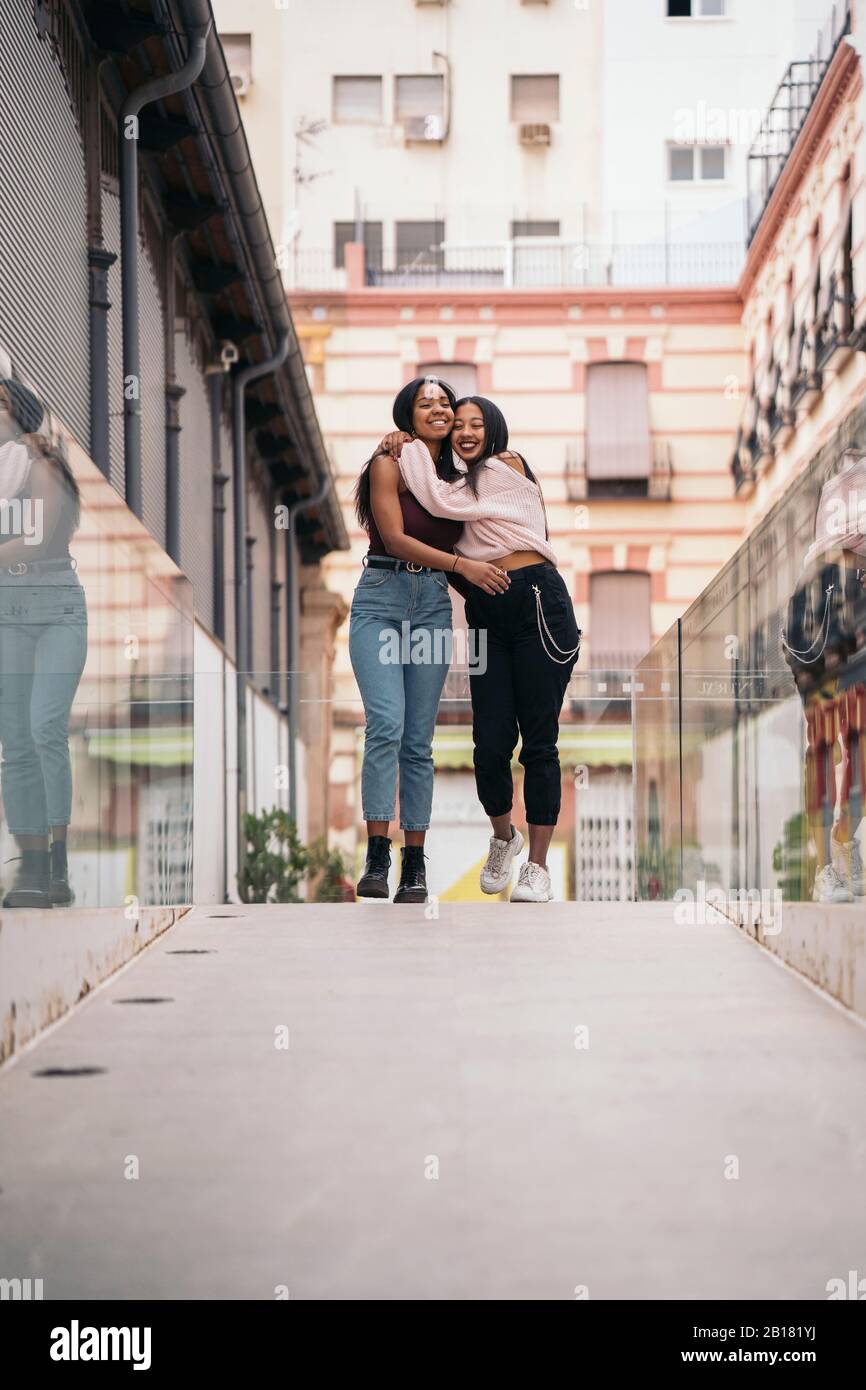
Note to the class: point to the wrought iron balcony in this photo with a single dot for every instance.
(656, 486)
(787, 113)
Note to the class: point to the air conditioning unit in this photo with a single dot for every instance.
(535, 135)
(423, 129)
(240, 82)
(431, 2)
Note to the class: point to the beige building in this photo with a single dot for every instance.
(449, 182)
(625, 403)
(802, 290)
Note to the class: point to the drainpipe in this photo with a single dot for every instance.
(251, 540)
(129, 226)
(243, 655)
(276, 590)
(219, 479)
(100, 451)
(174, 393)
(293, 609)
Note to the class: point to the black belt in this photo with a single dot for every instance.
(22, 567)
(385, 562)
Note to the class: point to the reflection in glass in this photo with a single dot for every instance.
(43, 647)
(751, 713)
(96, 695)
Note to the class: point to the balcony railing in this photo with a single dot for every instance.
(541, 264)
(656, 486)
(787, 112)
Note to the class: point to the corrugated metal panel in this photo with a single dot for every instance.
(152, 347)
(196, 487)
(44, 314)
(111, 237)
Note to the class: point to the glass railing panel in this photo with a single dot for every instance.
(96, 660)
(657, 789)
(773, 767)
(714, 664)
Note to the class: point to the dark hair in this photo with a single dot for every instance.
(24, 407)
(495, 442)
(401, 413)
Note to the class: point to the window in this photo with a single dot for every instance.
(535, 99)
(238, 54)
(419, 244)
(696, 163)
(534, 229)
(345, 232)
(695, 9)
(461, 376)
(618, 448)
(357, 100)
(620, 630)
(419, 98)
(712, 162)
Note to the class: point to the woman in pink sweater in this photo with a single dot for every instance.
(528, 638)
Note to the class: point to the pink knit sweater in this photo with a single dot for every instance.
(507, 515)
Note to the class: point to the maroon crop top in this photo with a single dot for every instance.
(438, 531)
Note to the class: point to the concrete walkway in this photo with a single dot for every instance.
(432, 1129)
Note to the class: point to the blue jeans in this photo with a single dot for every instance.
(400, 645)
(43, 647)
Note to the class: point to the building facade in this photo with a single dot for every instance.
(491, 210)
(750, 741)
(176, 481)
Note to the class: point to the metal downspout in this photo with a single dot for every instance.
(129, 228)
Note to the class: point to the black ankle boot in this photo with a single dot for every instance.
(60, 890)
(373, 882)
(413, 878)
(30, 887)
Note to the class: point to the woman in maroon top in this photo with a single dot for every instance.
(400, 637)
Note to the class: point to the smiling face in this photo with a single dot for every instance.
(432, 415)
(467, 439)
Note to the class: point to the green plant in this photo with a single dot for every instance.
(333, 886)
(792, 862)
(276, 860)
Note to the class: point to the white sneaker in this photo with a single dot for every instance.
(496, 873)
(849, 866)
(829, 887)
(533, 885)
